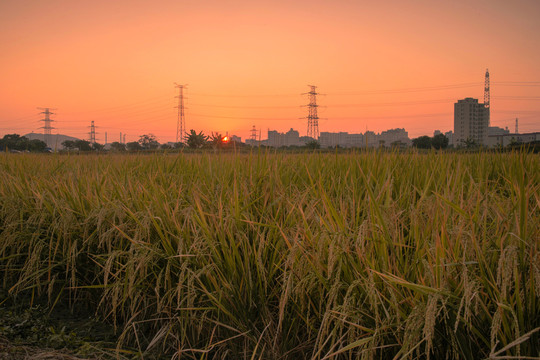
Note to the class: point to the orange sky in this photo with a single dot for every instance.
(247, 62)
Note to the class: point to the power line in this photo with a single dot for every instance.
(143, 111)
(517, 83)
(241, 118)
(244, 96)
(155, 99)
(159, 100)
(132, 112)
(511, 97)
(246, 107)
(143, 115)
(391, 117)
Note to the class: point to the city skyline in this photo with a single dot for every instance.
(380, 66)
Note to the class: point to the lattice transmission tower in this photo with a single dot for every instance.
(47, 124)
(253, 134)
(487, 95)
(313, 118)
(181, 120)
(92, 133)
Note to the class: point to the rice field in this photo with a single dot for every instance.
(370, 255)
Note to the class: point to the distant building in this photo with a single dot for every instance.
(277, 139)
(341, 139)
(450, 136)
(504, 140)
(291, 138)
(236, 138)
(471, 121)
(388, 137)
(495, 130)
(305, 139)
(369, 139)
(274, 138)
(437, 132)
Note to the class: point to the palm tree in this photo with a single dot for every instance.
(196, 141)
(216, 139)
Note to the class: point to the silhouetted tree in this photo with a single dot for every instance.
(21, 143)
(69, 144)
(470, 143)
(216, 139)
(12, 142)
(422, 142)
(196, 141)
(116, 146)
(148, 142)
(83, 145)
(97, 146)
(165, 147)
(37, 145)
(134, 146)
(398, 144)
(313, 144)
(439, 141)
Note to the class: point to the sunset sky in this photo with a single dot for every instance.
(380, 64)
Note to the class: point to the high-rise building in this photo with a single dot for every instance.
(471, 121)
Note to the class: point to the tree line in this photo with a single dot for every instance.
(18, 143)
(439, 141)
(193, 140)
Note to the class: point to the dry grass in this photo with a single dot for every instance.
(11, 351)
(271, 256)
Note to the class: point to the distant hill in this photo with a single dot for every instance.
(56, 139)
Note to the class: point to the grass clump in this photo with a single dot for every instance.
(283, 256)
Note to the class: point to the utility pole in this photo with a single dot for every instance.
(92, 133)
(105, 138)
(181, 121)
(313, 118)
(517, 132)
(47, 124)
(487, 95)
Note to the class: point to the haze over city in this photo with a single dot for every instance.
(385, 65)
